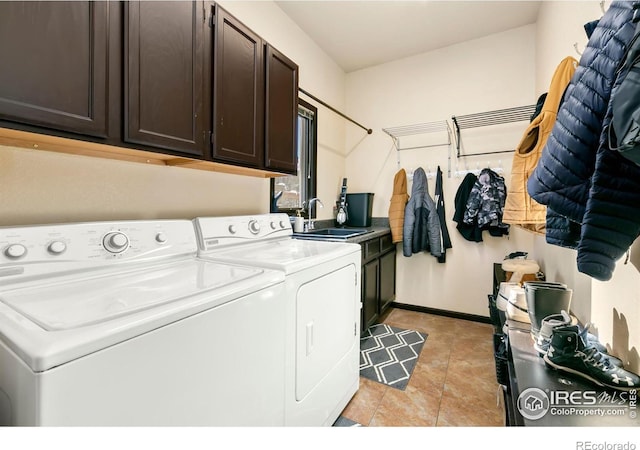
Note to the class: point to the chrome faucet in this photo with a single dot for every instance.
(311, 222)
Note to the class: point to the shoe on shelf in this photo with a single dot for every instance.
(550, 323)
(517, 305)
(544, 300)
(569, 353)
(502, 299)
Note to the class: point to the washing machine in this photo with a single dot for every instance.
(119, 323)
(322, 296)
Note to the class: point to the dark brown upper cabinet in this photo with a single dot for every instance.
(238, 92)
(180, 78)
(281, 112)
(164, 93)
(54, 65)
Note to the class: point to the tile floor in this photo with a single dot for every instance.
(453, 384)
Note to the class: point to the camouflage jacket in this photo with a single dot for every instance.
(485, 205)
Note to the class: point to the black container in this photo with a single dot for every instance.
(359, 208)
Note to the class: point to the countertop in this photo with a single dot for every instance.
(379, 227)
(375, 233)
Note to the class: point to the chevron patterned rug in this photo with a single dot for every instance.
(388, 354)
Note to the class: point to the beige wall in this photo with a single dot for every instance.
(494, 72)
(613, 306)
(40, 187)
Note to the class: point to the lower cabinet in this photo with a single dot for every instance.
(370, 290)
(378, 278)
(387, 280)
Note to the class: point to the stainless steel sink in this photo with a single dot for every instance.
(332, 233)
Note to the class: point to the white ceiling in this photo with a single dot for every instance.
(359, 34)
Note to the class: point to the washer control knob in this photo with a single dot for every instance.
(233, 229)
(161, 238)
(115, 242)
(282, 224)
(254, 226)
(15, 251)
(273, 225)
(57, 247)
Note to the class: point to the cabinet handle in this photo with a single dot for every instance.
(309, 338)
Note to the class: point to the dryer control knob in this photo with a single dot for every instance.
(273, 225)
(115, 242)
(282, 224)
(57, 247)
(161, 238)
(232, 229)
(254, 226)
(15, 251)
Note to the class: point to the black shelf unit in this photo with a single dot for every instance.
(526, 369)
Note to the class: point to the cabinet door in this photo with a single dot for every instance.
(164, 75)
(54, 59)
(281, 112)
(387, 280)
(238, 92)
(370, 249)
(370, 283)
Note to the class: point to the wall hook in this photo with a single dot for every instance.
(575, 45)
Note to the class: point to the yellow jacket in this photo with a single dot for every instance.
(399, 200)
(520, 209)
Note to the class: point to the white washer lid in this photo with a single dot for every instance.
(73, 304)
(55, 322)
(289, 255)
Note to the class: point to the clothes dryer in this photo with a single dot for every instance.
(322, 297)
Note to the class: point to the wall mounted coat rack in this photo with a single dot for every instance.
(441, 128)
(488, 118)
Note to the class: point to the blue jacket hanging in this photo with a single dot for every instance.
(561, 179)
(578, 176)
(421, 231)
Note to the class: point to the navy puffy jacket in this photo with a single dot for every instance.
(561, 179)
(577, 176)
(612, 217)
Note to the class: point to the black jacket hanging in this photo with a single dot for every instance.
(470, 232)
(444, 232)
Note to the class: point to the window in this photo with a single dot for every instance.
(290, 193)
